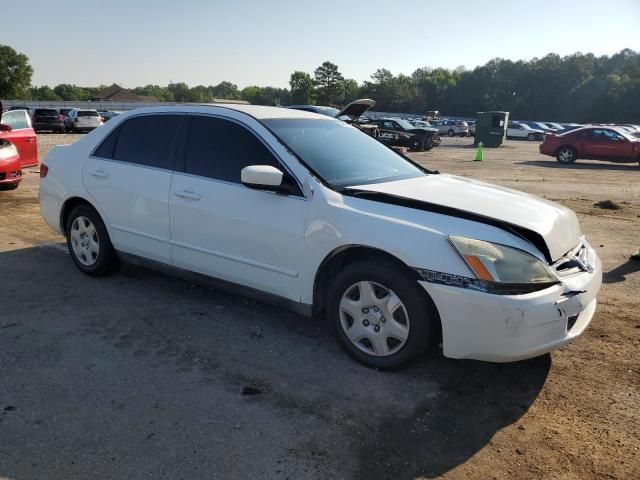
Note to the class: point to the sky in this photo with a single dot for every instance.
(261, 42)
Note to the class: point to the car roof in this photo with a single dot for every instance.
(257, 111)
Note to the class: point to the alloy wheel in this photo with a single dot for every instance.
(565, 155)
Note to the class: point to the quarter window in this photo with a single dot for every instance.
(220, 149)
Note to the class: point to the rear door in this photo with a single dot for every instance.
(22, 136)
(129, 177)
(223, 229)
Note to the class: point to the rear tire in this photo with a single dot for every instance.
(380, 314)
(566, 154)
(531, 137)
(89, 243)
(451, 133)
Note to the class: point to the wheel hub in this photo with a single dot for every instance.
(374, 316)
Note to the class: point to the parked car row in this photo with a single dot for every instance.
(66, 119)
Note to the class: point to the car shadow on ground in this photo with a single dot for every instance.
(168, 352)
(619, 273)
(551, 163)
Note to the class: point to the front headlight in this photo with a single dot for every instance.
(502, 269)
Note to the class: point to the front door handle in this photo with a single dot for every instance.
(190, 194)
(99, 174)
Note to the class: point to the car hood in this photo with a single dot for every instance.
(424, 129)
(556, 225)
(356, 108)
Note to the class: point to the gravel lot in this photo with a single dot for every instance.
(142, 375)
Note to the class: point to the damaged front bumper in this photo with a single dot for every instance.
(505, 328)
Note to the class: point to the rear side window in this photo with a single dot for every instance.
(220, 149)
(146, 140)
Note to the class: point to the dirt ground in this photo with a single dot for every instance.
(142, 375)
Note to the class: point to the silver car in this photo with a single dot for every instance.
(82, 120)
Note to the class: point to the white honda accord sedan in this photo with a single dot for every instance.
(311, 212)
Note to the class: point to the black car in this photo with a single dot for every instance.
(47, 119)
(399, 132)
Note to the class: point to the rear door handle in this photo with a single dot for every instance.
(190, 194)
(99, 174)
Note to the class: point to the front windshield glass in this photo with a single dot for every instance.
(404, 124)
(341, 154)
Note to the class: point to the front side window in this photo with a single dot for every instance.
(220, 149)
(16, 119)
(146, 140)
(341, 154)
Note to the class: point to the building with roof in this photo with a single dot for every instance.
(115, 93)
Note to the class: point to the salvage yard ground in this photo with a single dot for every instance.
(142, 375)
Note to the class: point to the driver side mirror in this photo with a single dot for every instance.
(5, 128)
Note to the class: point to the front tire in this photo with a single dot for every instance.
(416, 144)
(531, 137)
(451, 133)
(566, 154)
(89, 243)
(380, 314)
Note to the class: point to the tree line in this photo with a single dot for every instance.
(579, 87)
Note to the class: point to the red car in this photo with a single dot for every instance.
(595, 143)
(15, 127)
(10, 169)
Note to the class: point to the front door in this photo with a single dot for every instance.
(605, 143)
(226, 230)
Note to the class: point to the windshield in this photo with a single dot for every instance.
(341, 154)
(404, 124)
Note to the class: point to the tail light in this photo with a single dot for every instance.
(43, 170)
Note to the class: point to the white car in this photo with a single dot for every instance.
(451, 127)
(82, 120)
(309, 211)
(520, 130)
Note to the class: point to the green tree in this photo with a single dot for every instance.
(15, 74)
(70, 92)
(225, 90)
(44, 93)
(351, 90)
(329, 84)
(302, 88)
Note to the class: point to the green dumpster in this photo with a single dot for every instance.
(491, 128)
